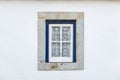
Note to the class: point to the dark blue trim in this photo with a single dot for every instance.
(60, 22)
(74, 42)
(47, 42)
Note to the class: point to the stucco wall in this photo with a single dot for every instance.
(18, 40)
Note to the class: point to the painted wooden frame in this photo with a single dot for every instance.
(72, 42)
(79, 17)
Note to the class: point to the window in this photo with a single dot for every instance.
(60, 41)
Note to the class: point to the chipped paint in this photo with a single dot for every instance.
(54, 66)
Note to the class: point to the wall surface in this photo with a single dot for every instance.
(18, 40)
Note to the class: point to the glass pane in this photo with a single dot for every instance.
(66, 33)
(55, 49)
(66, 49)
(56, 33)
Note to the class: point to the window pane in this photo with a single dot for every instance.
(55, 49)
(66, 49)
(56, 33)
(66, 33)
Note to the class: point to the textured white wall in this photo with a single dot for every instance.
(18, 40)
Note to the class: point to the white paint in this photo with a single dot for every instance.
(60, 59)
(18, 40)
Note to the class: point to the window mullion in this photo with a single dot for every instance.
(60, 41)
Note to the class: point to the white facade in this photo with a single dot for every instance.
(18, 40)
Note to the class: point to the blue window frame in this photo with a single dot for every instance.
(47, 36)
